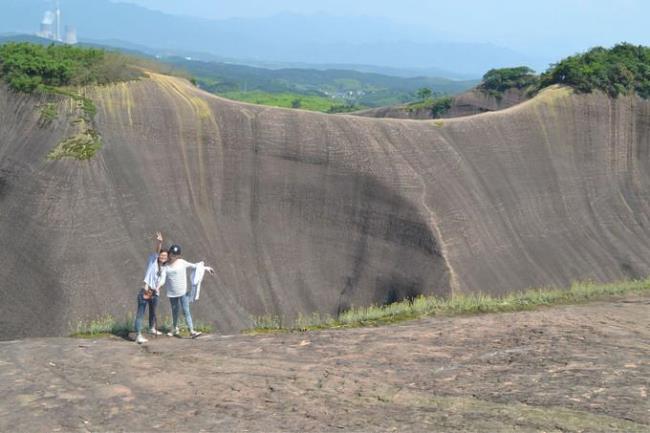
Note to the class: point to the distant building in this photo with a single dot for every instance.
(70, 35)
(51, 28)
(46, 30)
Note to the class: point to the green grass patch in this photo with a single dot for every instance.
(292, 100)
(86, 105)
(49, 112)
(107, 325)
(458, 305)
(82, 146)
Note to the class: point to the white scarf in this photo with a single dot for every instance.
(196, 276)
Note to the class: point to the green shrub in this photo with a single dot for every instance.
(438, 106)
(49, 112)
(343, 108)
(28, 67)
(500, 80)
(82, 146)
(621, 70)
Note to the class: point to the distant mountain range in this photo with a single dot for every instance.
(279, 41)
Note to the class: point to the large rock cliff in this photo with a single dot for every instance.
(301, 212)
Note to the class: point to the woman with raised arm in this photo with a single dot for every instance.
(150, 293)
(174, 278)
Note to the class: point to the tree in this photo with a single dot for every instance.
(500, 80)
(424, 93)
(296, 103)
(621, 70)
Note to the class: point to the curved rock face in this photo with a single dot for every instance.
(301, 212)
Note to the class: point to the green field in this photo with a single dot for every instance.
(291, 100)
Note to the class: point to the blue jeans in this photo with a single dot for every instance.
(184, 302)
(142, 306)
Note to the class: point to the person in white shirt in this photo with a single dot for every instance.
(174, 278)
(149, 294)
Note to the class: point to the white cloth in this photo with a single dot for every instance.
(151, 275)
(196, 277)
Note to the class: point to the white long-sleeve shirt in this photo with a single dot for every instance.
(152, 275)
(174, 277)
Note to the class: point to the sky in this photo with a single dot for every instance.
(549, 27)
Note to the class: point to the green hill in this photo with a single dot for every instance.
(343, 86)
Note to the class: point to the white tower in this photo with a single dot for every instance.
(58, 20)
(70, 35)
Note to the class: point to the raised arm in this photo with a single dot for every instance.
(158, 241)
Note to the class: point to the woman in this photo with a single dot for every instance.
(174, 277)
(149, 294)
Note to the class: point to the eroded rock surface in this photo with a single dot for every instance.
(301, 212)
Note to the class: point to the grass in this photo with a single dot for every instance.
(86, 105)
(455, 306)
(107, 325)
(290, 100)
(49, 112)
(82, 146)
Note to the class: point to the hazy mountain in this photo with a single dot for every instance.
(314, 39)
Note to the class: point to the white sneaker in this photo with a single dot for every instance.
(175, 333)
(154, 331)
(195, 334)
(140, 339)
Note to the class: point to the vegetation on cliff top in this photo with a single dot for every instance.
(28, 67)
(621, 70)
(60, 70)
(437, 105)
(497, 81)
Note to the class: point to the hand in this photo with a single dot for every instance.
(159, 237)
(209, 270)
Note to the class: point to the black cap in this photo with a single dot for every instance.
(175, 250)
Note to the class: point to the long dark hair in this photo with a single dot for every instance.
(158, 265)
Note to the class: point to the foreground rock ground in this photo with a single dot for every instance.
(570, 369)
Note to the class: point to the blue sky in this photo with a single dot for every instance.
(548, 27)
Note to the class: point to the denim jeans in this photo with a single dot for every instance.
(184, 302)
(142, 306)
